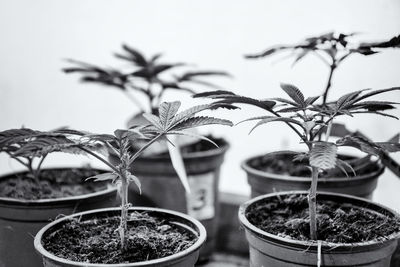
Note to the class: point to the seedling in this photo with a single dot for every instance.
(168, 123)
(332, 49)
(308, 120)
(150, 78)
(21, 145)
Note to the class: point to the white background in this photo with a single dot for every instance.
(35, 37)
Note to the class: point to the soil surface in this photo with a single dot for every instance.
(284, 164)
(53, 183)
(98, 241)
(288, 216)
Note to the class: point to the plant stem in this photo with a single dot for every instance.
(124, 210)
(38, 168)
(312, 204)
(329, 83)
(137, 154)
(100, 158)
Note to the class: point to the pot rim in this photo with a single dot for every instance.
(207, 153)
(45, 201)
(270, 175)
(201, 239)
(311, 244)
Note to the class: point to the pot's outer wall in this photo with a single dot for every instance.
(186, 258)
(161, 187)
(264, 182)
(21, 220)
(270, 250)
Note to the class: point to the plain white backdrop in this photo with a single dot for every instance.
(35, 37)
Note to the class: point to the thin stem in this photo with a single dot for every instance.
(124, 210)
(329, 82)
(328, 131)
(38, 168)
(312, 204)
(137, 154)
(100, 158)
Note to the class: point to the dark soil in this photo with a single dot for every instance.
(284, 164)
(288, 216)
(97, 241)
(53, 183)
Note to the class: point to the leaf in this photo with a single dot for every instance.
(188, 76)
(323, 155)
(360, 143)
(344, 167)
(267, 52)
(154, 120)
(199, 121)
(389, 146)
(212, 94)
(377, 92)
(135, 56)
(294, 93)
(311, 100)
(133, 178)
(167, 111)
(179, 166)
(104, 177)
(272, 119)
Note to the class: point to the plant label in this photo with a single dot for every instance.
(200, 202)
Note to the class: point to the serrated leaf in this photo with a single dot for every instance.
(273, 119)
(323, 155)
(344, 167)
(294, 93)
(199, 121)
(104, 177)
(167, 111)
(311, 100)
(360, 143)
(211, 94)
(193, 135)
(154, 120)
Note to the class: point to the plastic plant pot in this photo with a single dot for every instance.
(185, 258)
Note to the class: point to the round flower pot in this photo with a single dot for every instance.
(267, 249)
(161, 187)
(262, 182)
(185, 258)
(21, 219)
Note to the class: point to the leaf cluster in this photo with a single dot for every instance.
(309, 120)
(146, 75)
(330, 47)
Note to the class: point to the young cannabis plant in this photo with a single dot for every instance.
(146, 76)
(23, 146)
(308, 120)
(332, 49)
(168, 123)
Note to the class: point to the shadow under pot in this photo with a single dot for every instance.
(162, 188)
(352, 231)
(24, 209)
(155, 237)
(276, 172)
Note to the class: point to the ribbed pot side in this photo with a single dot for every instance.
(271, 250)
(20, 220)
(262, 182)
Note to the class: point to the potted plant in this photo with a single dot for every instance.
(30, 199)
(188, 183)
(129, 236)
(277, 172)
(292, 228)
